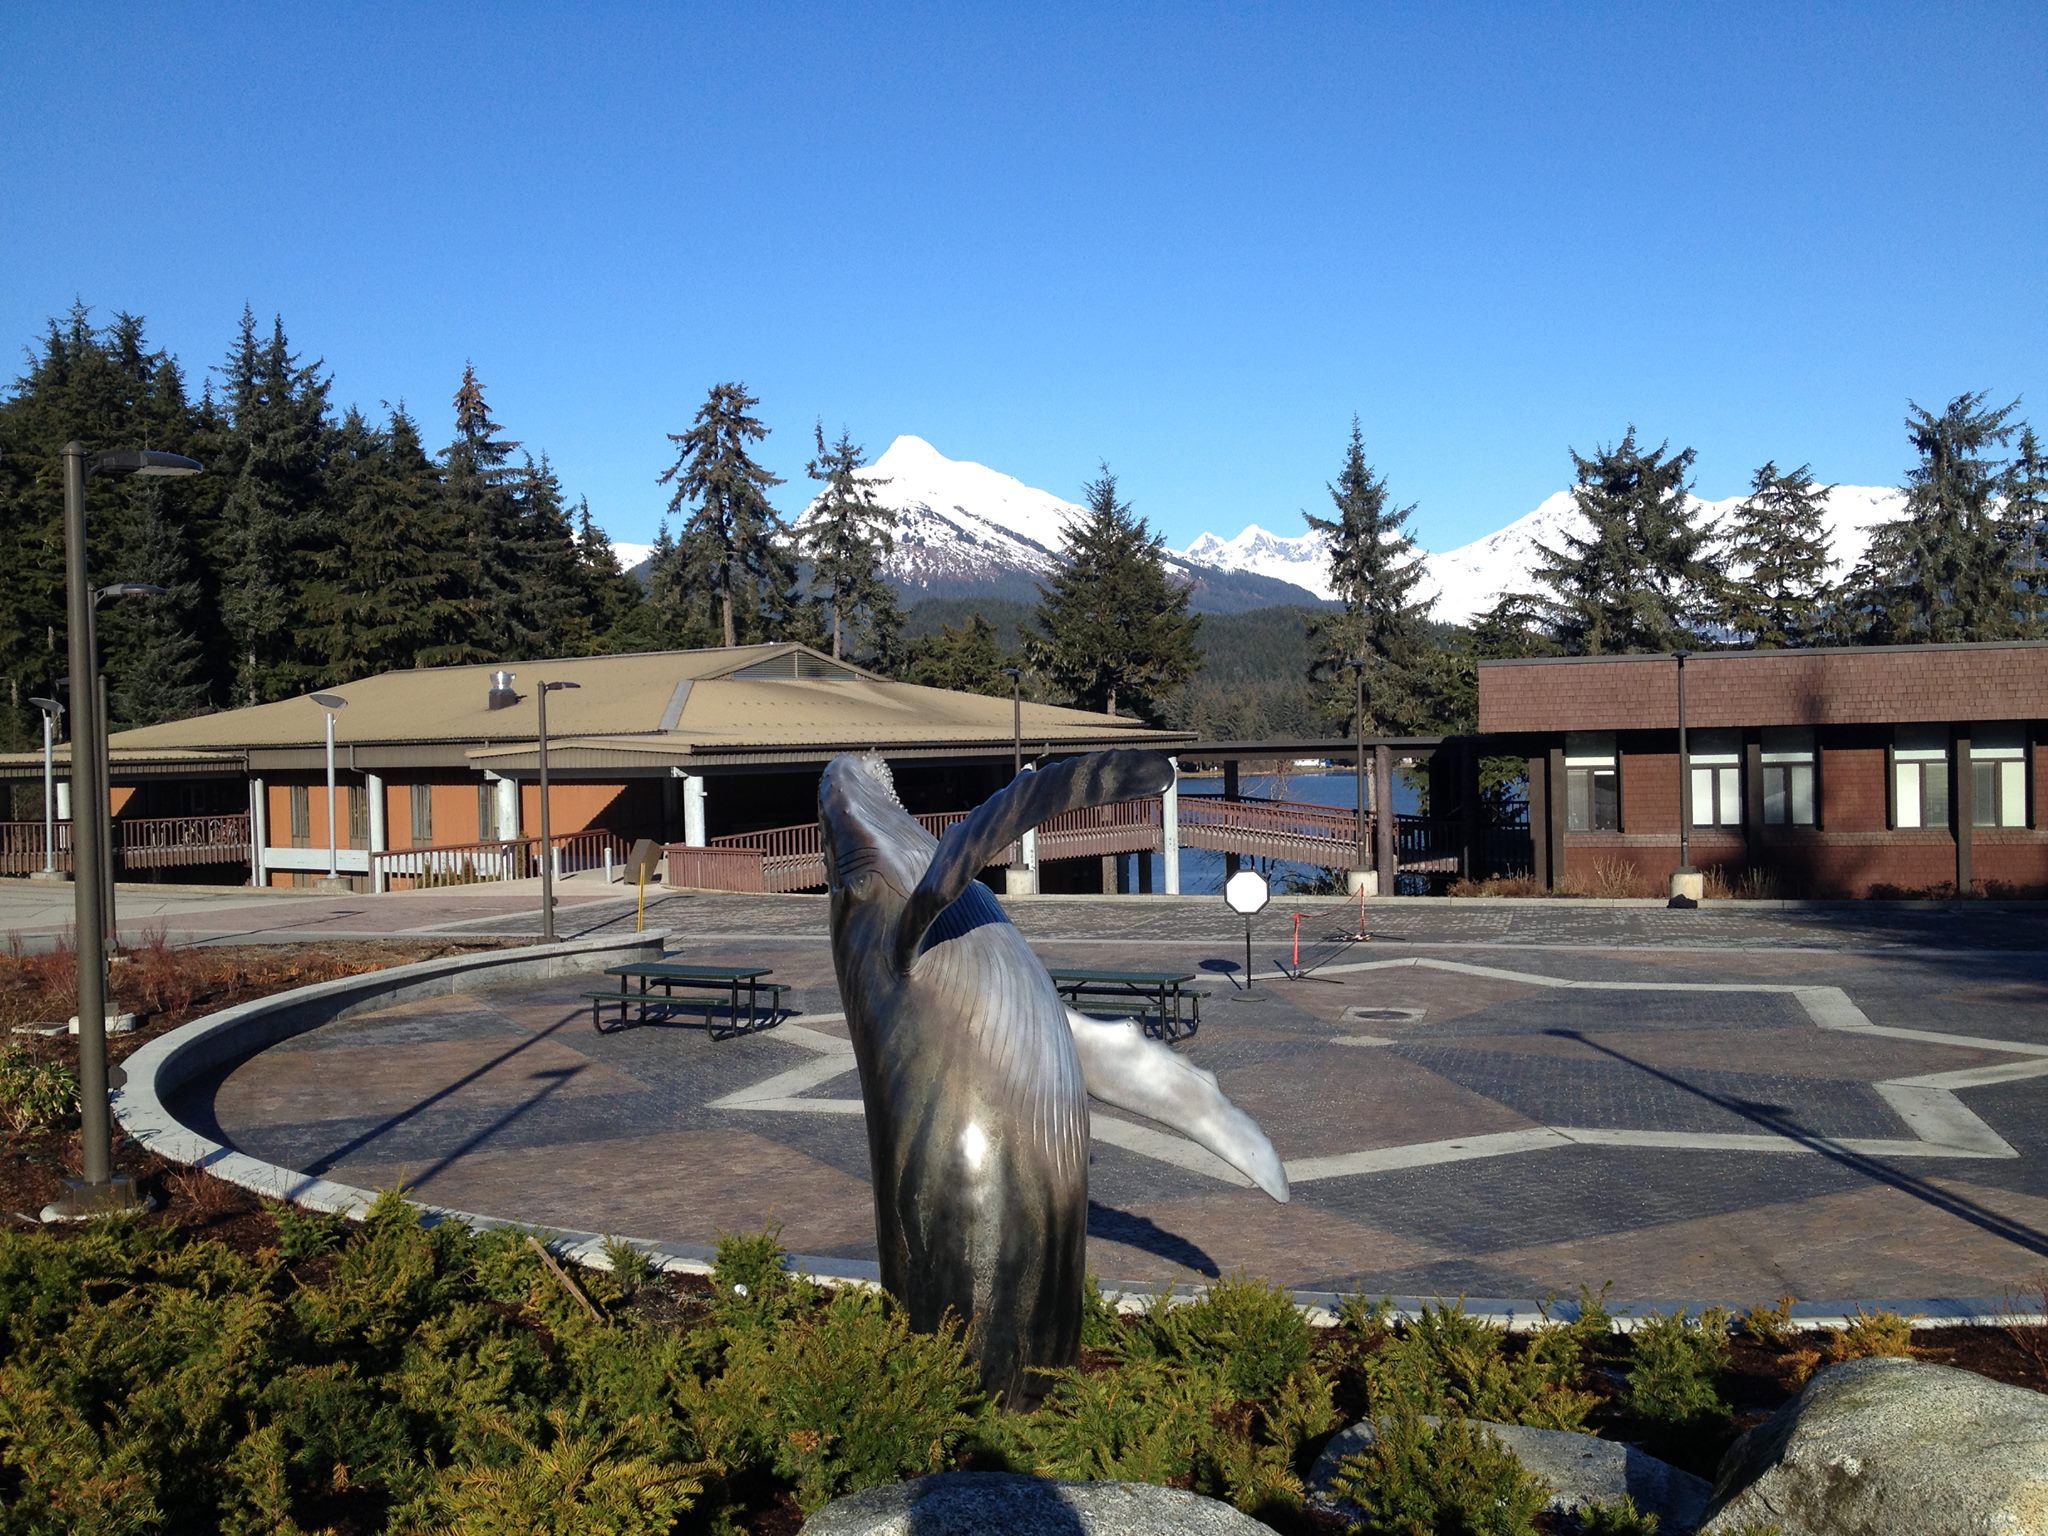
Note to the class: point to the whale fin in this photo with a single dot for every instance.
(1100, 778)
(1127, 1071)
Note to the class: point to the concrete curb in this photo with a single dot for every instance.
(164, 1065)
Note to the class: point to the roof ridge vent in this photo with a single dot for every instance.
(502, 694)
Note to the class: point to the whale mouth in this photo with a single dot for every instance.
(866, 832)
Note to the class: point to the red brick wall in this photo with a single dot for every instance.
(1748, 688)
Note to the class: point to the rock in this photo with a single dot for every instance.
(1887, 1447)
(1581, 1470)
(970, 1503)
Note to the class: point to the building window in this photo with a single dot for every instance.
(1998, 776)
(1592, 783)
(358, 816)
(1920, 776)
(422, 815)
(487, 812)
(1714, 758)
(1789, 778)
(302, 816)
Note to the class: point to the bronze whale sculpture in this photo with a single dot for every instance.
(975, 1075)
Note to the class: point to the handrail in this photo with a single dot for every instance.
(512, 858)
(152, 842)
(21, 847)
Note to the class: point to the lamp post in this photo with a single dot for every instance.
(547, 847)
(333, 703)
(97, 1190)
(51, 710)
(1684, 776)
(1016, 677)
(1357, 664)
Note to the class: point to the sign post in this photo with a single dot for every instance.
(1247, 893)
(641, 861)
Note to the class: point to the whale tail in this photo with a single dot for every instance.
(1100, 778)
(1127, 1071)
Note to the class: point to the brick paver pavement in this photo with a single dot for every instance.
(1730, 1104)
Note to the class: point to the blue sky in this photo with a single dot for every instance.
(1191, 240)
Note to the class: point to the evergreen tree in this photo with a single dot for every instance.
(1639, 579)
(1779, 544)
(551, 601)
(847, 536)
(395, 591)
(728, 543)
(155, 665)
(617, 602)
(275, 516)
(1945, 570)
(1373, 571)
(964, 657)
(2026, 518)
(483, 512)
(1112, 627)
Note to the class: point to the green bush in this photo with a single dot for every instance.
(1872, 1333)
(306, 1234)
(1674, 1369)
(1451, 1478)
(35, 1095)
(1448, 1362)
(1249, 1335)
(1617, 1517)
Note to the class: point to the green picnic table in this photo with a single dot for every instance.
(671, 974)
(1154, 998)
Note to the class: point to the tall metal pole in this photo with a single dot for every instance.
(1684, 777)
(1359, 668)
(106, 798)
(333, 862)
(49, 793)
(547, 847)
(88, 819)
(1016, 725)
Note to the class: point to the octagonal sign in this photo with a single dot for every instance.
(1246, 892)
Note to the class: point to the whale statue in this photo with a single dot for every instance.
(976, 1076)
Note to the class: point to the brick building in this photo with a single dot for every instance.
(1851, 772)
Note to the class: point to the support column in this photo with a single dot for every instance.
(1229, 793)
(1169, 831)
(259, 831)
(1753, 798)
(380, 838)
(64, 797)
(1557, 812)
(693, 810)
(1384, 859)
(1962, 801)
(507, 791)
(1471, 828)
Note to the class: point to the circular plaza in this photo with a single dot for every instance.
(1502, 1101)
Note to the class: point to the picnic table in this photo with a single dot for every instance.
(671, 974)
(1154, 998)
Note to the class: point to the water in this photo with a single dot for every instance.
(1201, 869)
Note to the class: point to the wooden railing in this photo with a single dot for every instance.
(1276, 829)
(515, 858)
(171, 842)
(21, 847)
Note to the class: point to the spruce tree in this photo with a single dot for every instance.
(1945, 570)
(276, 519)
(846, 537)
(728, 540)
(963, 657)
(1641, 577)
(1112, 628)
(2026, 520)
(150, 650)
(1776, 591)
(1373, 571)
(551, 602)
(477, 491)
(617, 601)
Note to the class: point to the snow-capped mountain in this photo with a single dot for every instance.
(966, 530)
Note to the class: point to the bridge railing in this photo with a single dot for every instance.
(21, 847)
(170, 842)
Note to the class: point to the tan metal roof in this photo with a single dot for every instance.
(774, 700)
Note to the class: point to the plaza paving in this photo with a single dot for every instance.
(1730, 1104)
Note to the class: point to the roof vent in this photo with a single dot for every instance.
(502, 695)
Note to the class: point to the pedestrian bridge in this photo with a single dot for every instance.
(786, 859)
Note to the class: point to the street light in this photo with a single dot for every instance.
(1684, 776)
(51, 710)
(97, 1190)
(332, 703)
(547, 847)
(1016, 677)
(1358, 664)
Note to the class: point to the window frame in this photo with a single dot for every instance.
(299, 811)
(1590, 757)
(1785, 752)
(1998, 762)
(1915, 750)
(1717, 769)
(422, 809)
